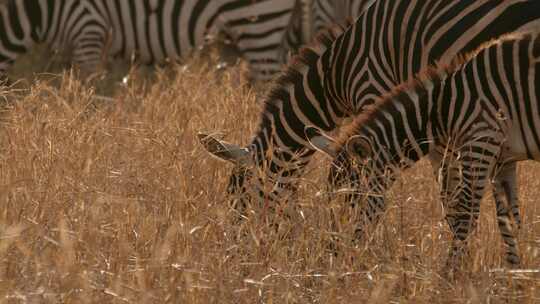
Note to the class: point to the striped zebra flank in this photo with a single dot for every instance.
(62, 25)
(342, 12)
(482, 110)
(388, 44)
(150, 31)
(316, 16)
(348, 10)
(299, 31)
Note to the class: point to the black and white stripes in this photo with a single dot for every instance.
(318, 15)
(482, 111)
(152, 31)
(155, 30)
(61, 24)
(315, 16)
(328, 12)
(390, 42)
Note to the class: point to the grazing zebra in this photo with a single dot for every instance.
(151, 30)
(61, 24)
(482, 108)
(390, 42)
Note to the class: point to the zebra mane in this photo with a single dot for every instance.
(306, 58)
(424, 78)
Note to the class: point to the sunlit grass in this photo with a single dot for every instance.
(115, 201)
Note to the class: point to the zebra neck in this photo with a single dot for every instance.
(276, 158)
(401, 128)
(278, 165)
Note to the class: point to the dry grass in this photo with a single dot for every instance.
(117, 203)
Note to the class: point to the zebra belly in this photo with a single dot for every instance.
(144, 55)
(515, 147)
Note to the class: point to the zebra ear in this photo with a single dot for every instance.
(224, 150)
(321, 142)
(359, 146)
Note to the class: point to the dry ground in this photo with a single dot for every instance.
(116, 202)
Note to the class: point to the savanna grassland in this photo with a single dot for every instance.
(113, 200)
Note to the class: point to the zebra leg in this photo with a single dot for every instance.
(508, 176)
(436, 160)
(462, 203)
(501, 181)
(91, 49)
(504, 184)
(369, 215)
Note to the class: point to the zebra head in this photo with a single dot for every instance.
(240, 157)
(248, 181)
(237, 155)
(350, 169)
(356, 173)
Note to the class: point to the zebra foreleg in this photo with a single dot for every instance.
(369, 215)
(505, 181)
(474, 167)
(504, 184)
(461, 217)
(508, 182)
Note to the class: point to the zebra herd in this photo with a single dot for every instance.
(435, 78)
(263, 31)
(152, 31)
(388, 44)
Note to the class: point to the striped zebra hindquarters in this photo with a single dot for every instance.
(69, 27)
(312, 17)
(343, 12)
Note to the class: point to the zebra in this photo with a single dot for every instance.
(314, 16)
(329, 12)
(343, 11)
(61, 24)
(298, 32)
(150, 31)
(334, 80)
(481, 108)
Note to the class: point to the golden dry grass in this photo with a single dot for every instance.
(116, 202)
